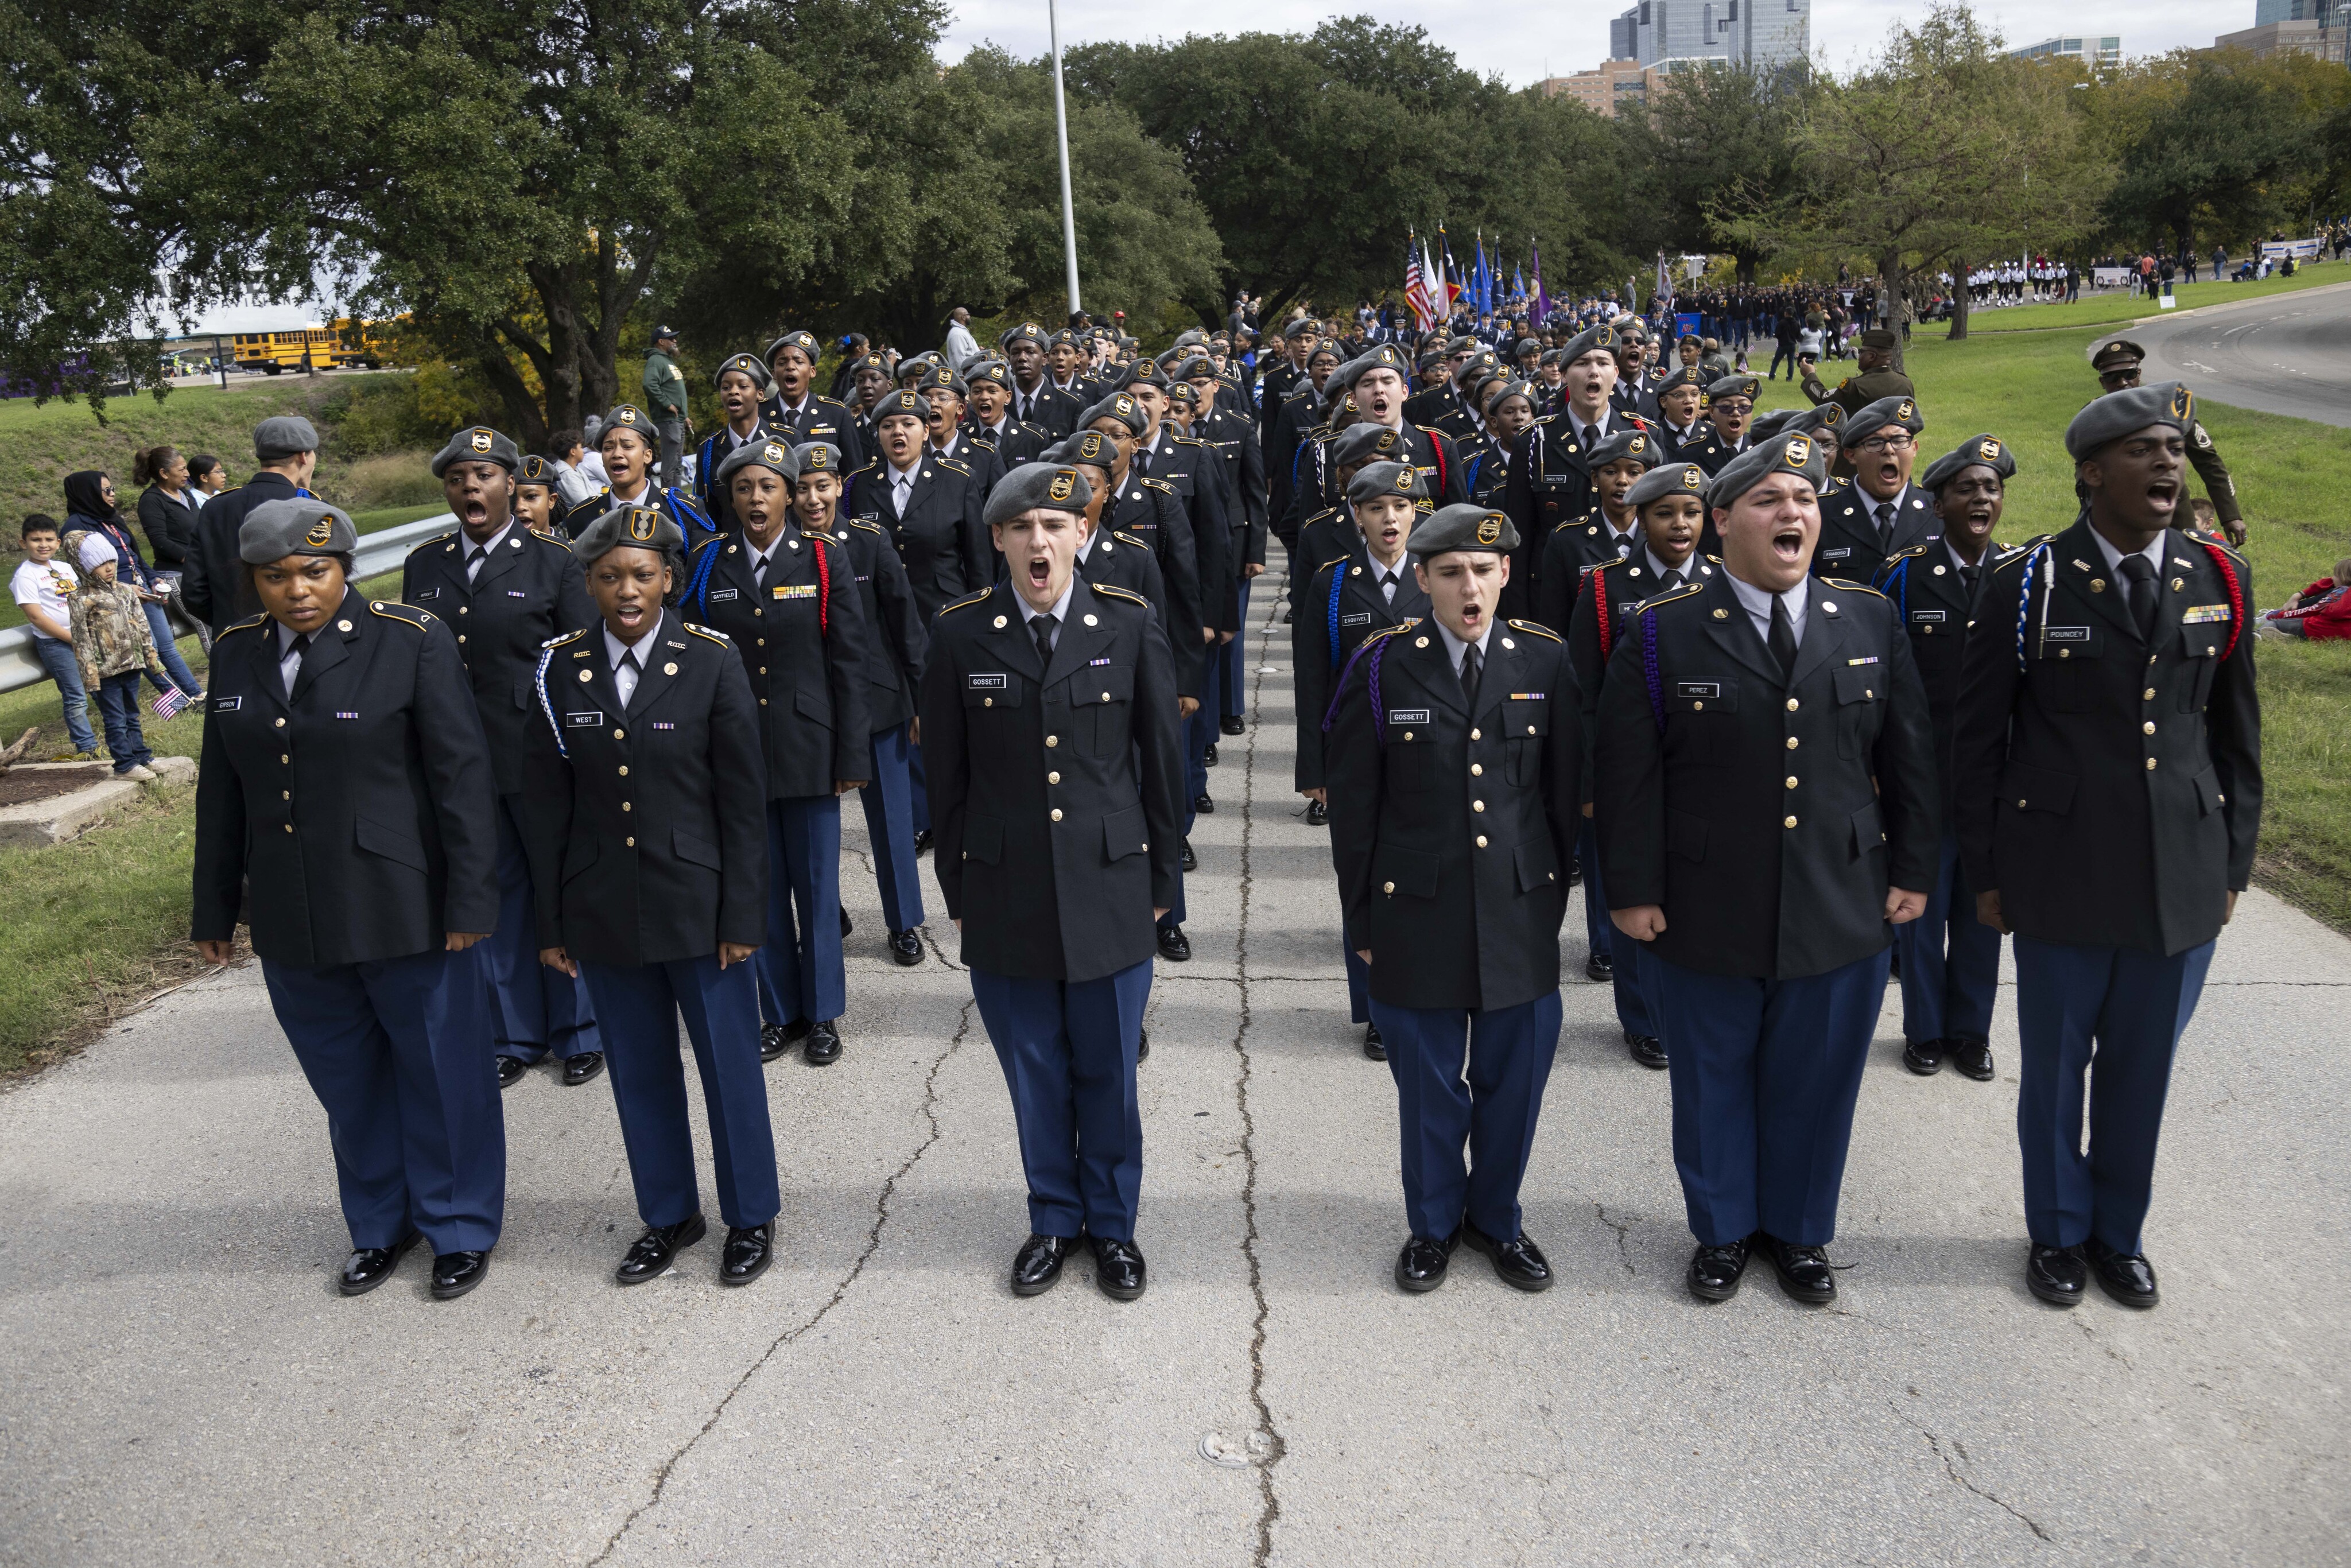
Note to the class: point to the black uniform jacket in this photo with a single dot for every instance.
(1151, 511)
(1013, 444)
(1575, 549)
(897, 638)
(1605, 599)
(1440, 408)
(1932, 599)
(1054, 411)
(212, 584)
(1710, 451)
(940, 538)
(986, 464)
(819, 419)
(530, 588)
(1638, 399)
(1550, 483)
(1849, 546)
(1054, 792)
(2111, 790)
(718, 505)
(804, 649)
(1681, 446)
(1758, 875)
(647, 826)
(1451, 830)
(1323, 637)
(362, 811)
(1123, 560)
(1191, 471)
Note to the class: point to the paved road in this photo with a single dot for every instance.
(180, 1384)
(2288, 354)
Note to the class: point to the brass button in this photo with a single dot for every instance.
(2149, 727)
(1477, 805)
(2150, 765)
(1792, 743)
(1477, 770)
(1385, 887)
(1697, 708)
(625, 806)
(1792, 781)
(2150, 661)
(761, 641)
(763, 669)
(1106, 696)
(1788, 822)
(461, 636)
(1052, 740)
(1530, 729)
(757, 612)
(631, 842)
(2064, 652)
(1481, 840)
(1867, 694)
(1052, 779)
(289, 827)
(763, 702)
(281, 724)
(1792, 705)
(987, 702)
(1407, 735)
(2019, 805)
(1056, 814)
(1475, 736)
(624, 770)
(284, 757)
(286, 794)
(2148, 696)
(461, 609)
(619, 735)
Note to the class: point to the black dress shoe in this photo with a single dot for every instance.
(1318, 815)
(823, 1044)
(1805, 1271)
(1143, 1045)
(1420, 1266)
(847, 925)
(775, 1039)
(922, 841)
(1287, 613)
(1715, 1271)
(1600, 966)
(1575, 873)
(2056, 1274)
(1037, 1266)
(748, 1253)
(1174, 946)
(2127, 1276)
(1923, 1057)
(1118, 1269)
(1374, 1046)
(455, 1273)
(582, 1068)
(1233, 724)
(1191, 861)
(1971, 1057)
(906, 948)
(1519, 1262)
(1647, 1049)
(369, 1267)
(510, 1071)
(1204, 806)
(1208, 756)
(650, 1255)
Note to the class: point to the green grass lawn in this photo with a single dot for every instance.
(2092, 310)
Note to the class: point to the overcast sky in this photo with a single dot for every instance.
(1521, 46)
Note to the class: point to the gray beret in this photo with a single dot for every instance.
(774, 456)
(1630, 445)
(1828, 416)
(628, 416)
(302, 525)
(940, 378)
(1526, 346)
(1789, 452)
(747, 365)
(1986, 451)
(1142, 372)
(1462, 346)
(1361, 443)
(1300, 327)
(1463, 526)
(804, 341)
(1671, 479)
(994, 371)
(1484, 362)
(1193, 368)
(1526, 390)
(1387, 357)
(1034, 487)
(1325, 349)
(1120, 406)
(2110, 418)
(283, 436)
(903, 403)
(1735, 386)
(1090, 447)
(817, 457)
(1590, 340)
(1872, 417)
(637, 527)
(477, 441)
(1684, 376)
(1386, 480)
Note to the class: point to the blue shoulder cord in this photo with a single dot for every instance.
(2024, 602)
(1333, 612)
(1649, 672)
(698, 582)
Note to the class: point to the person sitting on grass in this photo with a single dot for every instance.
(114, 647)
(43, 586)
(2321, 613)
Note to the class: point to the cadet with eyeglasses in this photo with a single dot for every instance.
(1878, 512)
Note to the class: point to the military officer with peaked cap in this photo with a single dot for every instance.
(1878, 512)
(346, 801)
(1949, 960)
(1766, 799)
(795, 410)
(1048, 719)
(1453, 758)
(2118, 362)
(1875, 381)
(2109, 780)
(504, 591)
(789, 602)
(649, 850)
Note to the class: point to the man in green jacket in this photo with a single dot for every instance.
(665, 396)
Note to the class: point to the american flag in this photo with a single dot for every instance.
(170, 702)
(1415, 287)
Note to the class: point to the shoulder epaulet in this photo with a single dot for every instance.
(1428, 430)
(445, 542)
(549, 537)
(2216, 542)
(1907, 554)
(966, 599)
(1325, 512)
(707, 546)
(1686, 590)
(1161, 484)
(867, 466)
(1188, 441)
(1535, 629)
(1393, 631)
(952, 463)
(1613, 565)
(1849, 586)
(249, 623)
(1128, 594)
(720, 638)
(1329, 564)
(1127, 539)
(567, 637)
(406, 615)
(868, 524)
(1032, 426)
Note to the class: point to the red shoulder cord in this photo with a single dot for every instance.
(1437, 445)
(2236, 596)
(1600, 612)
(823, 589)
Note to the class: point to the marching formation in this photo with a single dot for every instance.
(1562, 612)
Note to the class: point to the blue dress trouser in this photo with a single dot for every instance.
(799, 968)
(2100, 1024)
(890, 828)
(1765, 1074)
(398, 1051)
(1469, 1081)
(1951, 960)
(638, 1006)
(1633, 1013)
(533, 1010)
(1068, 1049)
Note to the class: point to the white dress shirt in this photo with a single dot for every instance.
(1455, 647)
(1758, 604)
(1386, 578)
(1059, 613)
(2154, 553)
(1688, 569)
(475, 554)
(624, 676)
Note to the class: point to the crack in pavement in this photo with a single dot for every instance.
(1624, 1230)
(1952, 1470)
(839, 1291)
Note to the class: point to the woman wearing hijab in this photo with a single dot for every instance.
(91, 508)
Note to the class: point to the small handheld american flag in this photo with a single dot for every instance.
(170, 703)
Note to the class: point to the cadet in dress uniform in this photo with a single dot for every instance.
(1325, 535)
(1867, 521)
(1035, 400)
(629, 444)
(505, 590)
(538, 503)
(794, 411)
(1877, 380)
(743, 384)
(650, 855)
(1150, 510)
(2108, 756)
(897, 642)
(1108, 558)
(1766, 801)
(1729, 400)
(1611, 532)
(1681, 399)
(927, 507)
(1452, 759)
(346, 798)
(1950, 959)
(1376, 384)
(1049, 714)
(1668, 507)
(1552, 471)
(2118, 363)
(988, 387)
(948, 398)
(790, 604)
(1369, 589)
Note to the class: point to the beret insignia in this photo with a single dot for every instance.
(1989, 449)
(2183, 400)
(1124, 404)
(1405, 480)
(1908, 411)
(1638, 444)
(771, 453)
(1063, 484)
(1490, 529)
(481, 440)
(626, 416)
(1605, 338)
(320, 532)
(1693, 477)
(1800, 452)
(817, 459)
(641, 522)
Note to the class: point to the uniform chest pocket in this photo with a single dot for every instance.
(2062, 678)
(990, 689)
(1101, 699)
(1861, 706)
(1524, 723)
(2200, 647)
(1701, 720)
(1410, 752)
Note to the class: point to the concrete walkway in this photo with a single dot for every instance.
(180, 1384)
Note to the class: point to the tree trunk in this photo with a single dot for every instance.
(1890, 280)
(1959, 267)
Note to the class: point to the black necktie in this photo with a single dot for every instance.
(299, 652)
(1044, 626)
(1469, 676)
(759, 572)
(1670, 578)
(1884, 522)
(2139, 572)
(1143, 461)
(1970, 575)
(474, 561)
(1783, 636)
(1591, 436)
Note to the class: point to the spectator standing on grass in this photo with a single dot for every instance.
(91, 506)
(666, 395)
(961, 348)
(43, 587)
(2220, 263)
(215, 589)
(113, 646)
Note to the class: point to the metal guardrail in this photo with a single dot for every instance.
(379, 552)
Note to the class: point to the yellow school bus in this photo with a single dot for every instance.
(323, 348)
